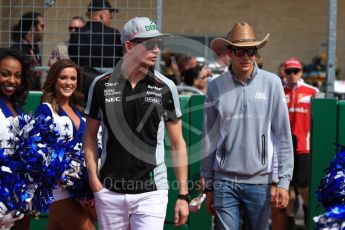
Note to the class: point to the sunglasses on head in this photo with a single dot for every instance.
(150, 44)
(290, 71)
(240, 52)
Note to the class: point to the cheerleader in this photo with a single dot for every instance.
(62, 101)
(13, 91)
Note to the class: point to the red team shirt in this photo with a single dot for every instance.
(298, 101)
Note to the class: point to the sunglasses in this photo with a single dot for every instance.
(150, 44)
(290, 71)
(73, 28)
(240, 52)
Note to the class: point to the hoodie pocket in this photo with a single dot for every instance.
(263, 149)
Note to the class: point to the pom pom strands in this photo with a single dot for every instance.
(39, 162)
(331, 194)
(26, 171)
(331, 191)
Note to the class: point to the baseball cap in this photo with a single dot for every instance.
(140, 27)
(97, 5)
(292, 63)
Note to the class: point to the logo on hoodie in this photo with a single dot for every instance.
(260, 96)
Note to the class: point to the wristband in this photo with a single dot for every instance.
(185, 197)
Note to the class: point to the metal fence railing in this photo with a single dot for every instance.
(55, 24)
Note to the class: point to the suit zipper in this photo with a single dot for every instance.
(263, 154)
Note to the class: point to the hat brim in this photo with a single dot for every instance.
(218, 44)
(155, 36)
(294, 67)
(115, 10)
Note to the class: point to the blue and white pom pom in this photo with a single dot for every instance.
(14, 190)
(28, 176)
(39, 162)
(332, 219)
(331, 194)
(74, 176)
(331, 191)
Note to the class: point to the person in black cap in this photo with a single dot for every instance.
(99, 5)
(97, 44)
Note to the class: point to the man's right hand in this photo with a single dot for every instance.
(209, 203)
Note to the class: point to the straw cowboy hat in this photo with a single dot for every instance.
(241, 35)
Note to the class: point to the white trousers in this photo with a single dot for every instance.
(144, 211)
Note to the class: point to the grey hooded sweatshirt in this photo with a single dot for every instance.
(245, 127)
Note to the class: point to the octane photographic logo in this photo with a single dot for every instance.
(123, 132)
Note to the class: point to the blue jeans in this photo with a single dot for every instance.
(229, 196)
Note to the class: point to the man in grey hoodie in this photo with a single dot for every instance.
(246, 136)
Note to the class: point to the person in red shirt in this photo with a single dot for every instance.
(298, 97)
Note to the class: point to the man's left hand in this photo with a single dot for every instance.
(181, 212)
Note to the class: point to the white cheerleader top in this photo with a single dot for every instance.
(7, 137)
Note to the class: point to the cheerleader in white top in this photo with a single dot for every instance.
(13, 91)
(62, 101)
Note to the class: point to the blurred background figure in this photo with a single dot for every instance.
(259, 60)
(281, 74)
(60, 51)
(25, 37)
(298, 97)
(176, 64)
(184, 63)
(197, 78)
(97, 44)
(170, 68)
(89, 74)
(221, 64)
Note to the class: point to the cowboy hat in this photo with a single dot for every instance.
(241, 35)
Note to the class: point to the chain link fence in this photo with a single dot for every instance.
(56, 20)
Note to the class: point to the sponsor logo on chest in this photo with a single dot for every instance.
(154, 87)
(111, 84)
(154, 94)
(153, 100)
(260, 96)
(112, 99)
(111, 93)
